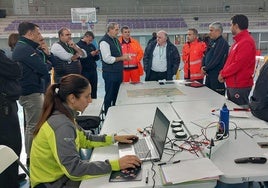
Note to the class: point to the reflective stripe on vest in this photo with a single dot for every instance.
(196, 62)
(196, 76)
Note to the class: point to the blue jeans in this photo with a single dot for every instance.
(32, 105)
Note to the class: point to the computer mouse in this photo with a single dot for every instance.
(134, 140)
(130, 173)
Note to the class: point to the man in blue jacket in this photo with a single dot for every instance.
(34, 74)
(215, 57)
(89, 65)
(161, 59)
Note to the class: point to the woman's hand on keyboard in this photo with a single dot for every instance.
(128, 139)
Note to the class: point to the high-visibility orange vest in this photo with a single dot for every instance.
(192, 55)
(134, 49)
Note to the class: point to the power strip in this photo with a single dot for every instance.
(217, 144)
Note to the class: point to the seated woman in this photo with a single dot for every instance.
(55, 160)
(259, 100)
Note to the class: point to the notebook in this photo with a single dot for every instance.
(154, 144)
(194, 84)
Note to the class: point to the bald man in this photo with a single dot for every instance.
(161, 59)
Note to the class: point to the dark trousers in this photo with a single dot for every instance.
(155, 76)
(112, 81)
(239, 96)
(10, 136)
(213, 83)
(92, 77)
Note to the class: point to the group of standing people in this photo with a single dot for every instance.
(121, 62)
(226, 70)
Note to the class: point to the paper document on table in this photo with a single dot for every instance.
(240, 114)
(200, 169)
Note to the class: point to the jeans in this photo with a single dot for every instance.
(32, 105)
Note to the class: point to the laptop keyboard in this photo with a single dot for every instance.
(141, 149)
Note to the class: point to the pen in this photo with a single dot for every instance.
(147, 176)
(165, 163)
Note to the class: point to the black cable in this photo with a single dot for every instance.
(154, 173)
(236, 127)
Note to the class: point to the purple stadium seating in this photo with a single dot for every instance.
(140, 23)
(46, 25)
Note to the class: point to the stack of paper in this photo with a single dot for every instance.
(200, 169)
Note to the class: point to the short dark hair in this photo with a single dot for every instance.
(241, 20)
(193, 30)
(90, 34)
(24, 27)
(124, 27)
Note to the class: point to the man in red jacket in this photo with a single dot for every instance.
(238, 70)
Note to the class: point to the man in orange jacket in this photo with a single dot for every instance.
(132, 68)
(192, 54)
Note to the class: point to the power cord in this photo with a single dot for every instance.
(154, 173)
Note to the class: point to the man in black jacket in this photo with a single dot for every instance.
(161, 59)
(89, 66)
(259, 100)
(215, 57)
(10, 135)
(32, 82)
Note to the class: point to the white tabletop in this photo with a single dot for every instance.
(126, 120)
(94, 108)
(198, 114)
(153, 92)
(195, 113)
(135, 109)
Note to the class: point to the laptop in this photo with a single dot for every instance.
(152, 146)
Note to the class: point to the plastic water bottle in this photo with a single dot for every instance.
(224, 120)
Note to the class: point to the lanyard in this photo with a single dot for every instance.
(117, 45)
(70, 50)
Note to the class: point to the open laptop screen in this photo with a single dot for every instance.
(159, 131)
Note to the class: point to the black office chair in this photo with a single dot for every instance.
(91, 123)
